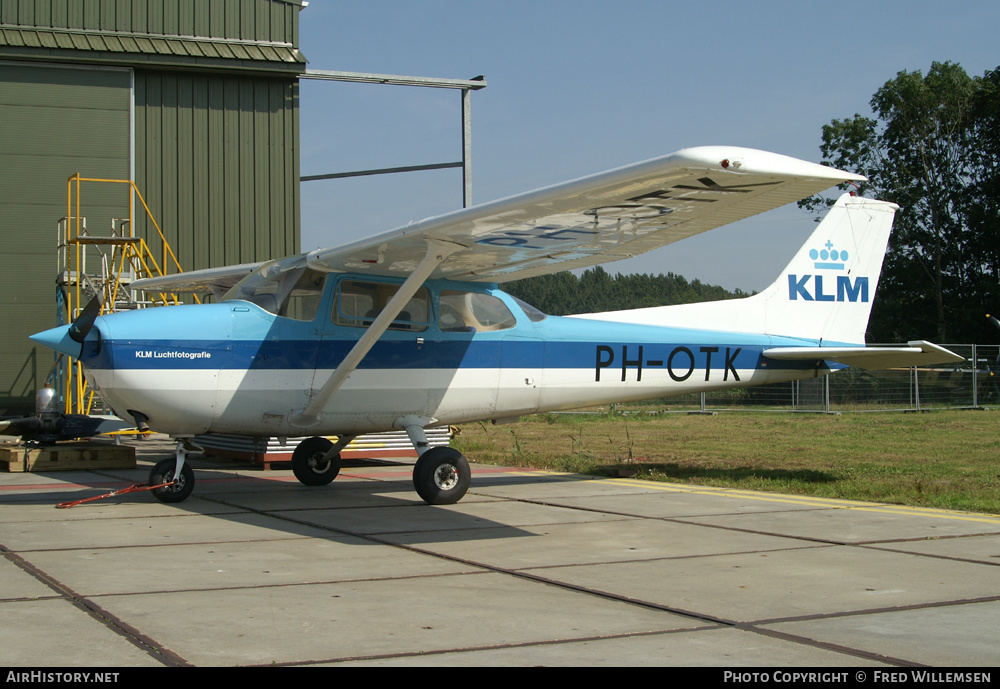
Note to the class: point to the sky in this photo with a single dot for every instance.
(575, 88)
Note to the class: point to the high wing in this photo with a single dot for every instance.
(916, 353)
(604, 217)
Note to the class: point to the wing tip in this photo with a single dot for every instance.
(751, 160)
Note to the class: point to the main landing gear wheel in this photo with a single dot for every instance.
(442, 476)
(163, 472)
(310, 464)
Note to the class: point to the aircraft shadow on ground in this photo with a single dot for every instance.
(672, 471)
(343, 511)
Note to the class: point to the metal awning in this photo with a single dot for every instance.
(116, 47)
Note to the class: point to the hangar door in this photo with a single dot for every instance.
(54, 121)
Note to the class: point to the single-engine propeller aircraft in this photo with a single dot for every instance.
(408, 330)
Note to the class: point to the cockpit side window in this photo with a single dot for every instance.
(359, 302)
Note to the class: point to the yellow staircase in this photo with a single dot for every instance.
(103, 265)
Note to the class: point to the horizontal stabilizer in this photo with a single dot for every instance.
(916, 353)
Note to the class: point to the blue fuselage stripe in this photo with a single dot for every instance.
(237, 336)
(430, 354)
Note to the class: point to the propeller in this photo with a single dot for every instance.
(69, 339)
(80, 327)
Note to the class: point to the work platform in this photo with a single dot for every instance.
(78, 456)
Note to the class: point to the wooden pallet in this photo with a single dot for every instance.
(67, 457)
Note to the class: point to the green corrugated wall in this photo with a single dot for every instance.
(54, 122)
(217, 161)
(214, 120)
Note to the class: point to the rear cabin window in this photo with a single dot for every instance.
(359, 303)
(472, 312)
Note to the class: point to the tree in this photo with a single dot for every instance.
(982, 201)
(922, 151)
(596, 290)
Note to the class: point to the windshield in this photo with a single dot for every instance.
(287, 288)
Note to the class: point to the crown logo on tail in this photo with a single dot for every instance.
(829, 258)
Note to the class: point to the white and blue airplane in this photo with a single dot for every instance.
(408, 329)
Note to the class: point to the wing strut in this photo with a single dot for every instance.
(437, 251)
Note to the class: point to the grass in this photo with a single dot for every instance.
(943, 459)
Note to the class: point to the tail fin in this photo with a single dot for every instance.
(824, 294)
(826, 291)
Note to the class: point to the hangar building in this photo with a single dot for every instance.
(195, 101)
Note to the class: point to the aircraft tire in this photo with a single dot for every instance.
(308, 465)
(442, 476)
(164, 472)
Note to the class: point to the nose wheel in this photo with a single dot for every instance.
(442, 476)
(180, 483)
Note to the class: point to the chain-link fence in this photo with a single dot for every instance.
(972, 383)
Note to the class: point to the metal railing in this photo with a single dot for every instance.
(974, 383)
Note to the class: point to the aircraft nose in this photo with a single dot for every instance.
(59, 339)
